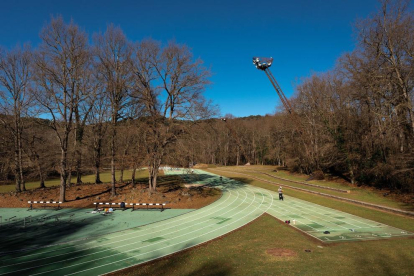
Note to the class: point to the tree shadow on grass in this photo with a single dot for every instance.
(165, 267)
(67, 259)
(236, 182)
(169, 183)
(215, 181)
(44, 244)
(179, 263)
(34, 230)
(63, 259)
(107, 191)
(216, 267)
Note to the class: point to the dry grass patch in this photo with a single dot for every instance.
(280, 255)
(281, 252)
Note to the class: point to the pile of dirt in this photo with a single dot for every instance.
(83, 196)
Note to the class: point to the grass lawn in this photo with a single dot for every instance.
(105, 177)
(243, 252)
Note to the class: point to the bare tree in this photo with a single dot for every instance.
(98, 123)
(86, 96)
(113, 60)
(61, 63)
(6, 154)
(171, 107)
(40, 147)
(386, 47)
(15, 100)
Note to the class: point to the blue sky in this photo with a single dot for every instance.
(302, 36)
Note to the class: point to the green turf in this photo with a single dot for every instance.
(25, 229)
(323, 223)
(398, 221)
(361, 194)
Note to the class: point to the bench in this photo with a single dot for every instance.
(45, 204)
(118, 205)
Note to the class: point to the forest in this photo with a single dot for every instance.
(81, 104)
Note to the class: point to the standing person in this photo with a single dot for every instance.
(280, 193)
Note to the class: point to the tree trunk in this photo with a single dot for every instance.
(19, 137)
(133, 174)
(113, 180)
(42, 177)
(41, 174)
(150, 179)
(78, 150)
(121, 177)
(16, 156)
(79, 167)
(74, 156)
(97, 176)
(153, 180)
(98, 149)
(16, 171)
(153, 172)
(98, 161)
(63, 175)
(351, 174)
(69, 174)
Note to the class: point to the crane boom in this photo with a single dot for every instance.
(264, 64)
